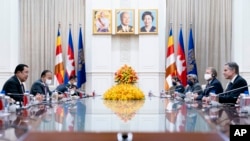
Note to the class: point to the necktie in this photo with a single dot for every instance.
(22, 86)
(229, 86)
(45, 90)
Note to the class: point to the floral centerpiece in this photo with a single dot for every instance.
(124, 98)
(125, 89)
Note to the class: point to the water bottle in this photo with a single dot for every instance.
(242, 100)
(47, 96)
(212, 96)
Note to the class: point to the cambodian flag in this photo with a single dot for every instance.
(181, 61)
(70, 60)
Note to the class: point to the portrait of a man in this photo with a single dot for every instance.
(125, 21)
(148, 21)
(102, 21)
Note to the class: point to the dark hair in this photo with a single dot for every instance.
(20, 68)
(233, 66)
(176, 78)
(147, 13)
(45, 72)
(214, 72)
(72, 77)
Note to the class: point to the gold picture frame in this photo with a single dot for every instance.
(148, 21)
(102, 21)
(125, 21)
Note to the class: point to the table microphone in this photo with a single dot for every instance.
(164, 94)
(227, 92)
(202, 90)
(14, 94)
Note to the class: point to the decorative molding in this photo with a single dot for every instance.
(125, 49)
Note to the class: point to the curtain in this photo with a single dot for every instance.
(211, 22)
(39, 21)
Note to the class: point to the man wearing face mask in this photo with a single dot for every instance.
(177, 84)
(71, 86)
(193, 85)
(40, 87)
(213, 84)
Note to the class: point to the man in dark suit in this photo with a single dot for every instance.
(14, 86)
(213, 84)
(71, 86)
(125, 27)
(40, 87)
(231, 72)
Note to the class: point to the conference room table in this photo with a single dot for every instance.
(92, 118)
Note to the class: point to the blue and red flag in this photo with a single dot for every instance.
(70, 60)
(181, 61)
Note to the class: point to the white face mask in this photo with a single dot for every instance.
(48, 81)
(207, 76)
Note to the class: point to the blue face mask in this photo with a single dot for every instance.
(190, 83)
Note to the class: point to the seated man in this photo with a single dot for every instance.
(236, 86)
(40, 87)
(213, 84)
(178, 87)
(193, 85)
(14, 86)
(70, 87)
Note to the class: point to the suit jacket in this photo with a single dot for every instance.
(119, 28)
(39, 87)
(64, 88)
(214, 86)
(153, 29)
(12, 85)
(196, 88)
(231, 97)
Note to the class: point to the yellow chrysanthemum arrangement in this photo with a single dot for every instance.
(125, 89)
(126, 110)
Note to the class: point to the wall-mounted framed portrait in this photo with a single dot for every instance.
(102, 21)
(125, 21)
(148, 21)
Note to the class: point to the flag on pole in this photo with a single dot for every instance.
(70, 60)
(170, 62)
(192, 69)
(81, 72)
(59, 69)
(181, 61)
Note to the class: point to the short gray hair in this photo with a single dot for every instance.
(194, 76)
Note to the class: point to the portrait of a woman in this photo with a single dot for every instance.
(102, 21)
(147, 19)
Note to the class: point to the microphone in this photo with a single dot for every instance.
(197, 91)
(14, 94)
(226, 92)
(209, 87)
(166, 95)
